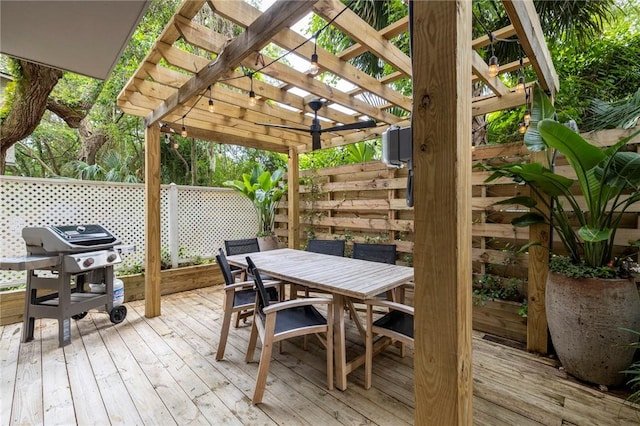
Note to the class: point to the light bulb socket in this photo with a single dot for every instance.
(210, 105)
(183, 132)
(493, 66)
(252, 98)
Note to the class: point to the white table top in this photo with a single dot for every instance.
(358, 279)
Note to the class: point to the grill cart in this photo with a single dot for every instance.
(59, 257)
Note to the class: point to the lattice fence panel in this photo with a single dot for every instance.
(212, 217)
(207, 216)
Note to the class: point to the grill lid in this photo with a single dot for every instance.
(67, 239)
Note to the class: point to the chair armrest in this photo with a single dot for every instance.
(237, 272)
(249, 284)
(296, 303)
(391, 305)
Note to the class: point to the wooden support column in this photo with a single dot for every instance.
(537, 327)
(442, 193)
(152, 221)
(294, 199)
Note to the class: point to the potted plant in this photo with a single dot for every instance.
(590, 297)
(264, 190)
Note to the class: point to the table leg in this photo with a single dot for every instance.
(339, 344)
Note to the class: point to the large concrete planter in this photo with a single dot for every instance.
(270, 242)
(586, 319)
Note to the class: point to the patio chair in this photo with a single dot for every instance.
(242, 246)
(333, 247)
(247, 245)
(275, 322)
(383, 253)
(239, 297)
(397, 325)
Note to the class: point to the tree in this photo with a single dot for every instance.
(26, 101)
(82, 103)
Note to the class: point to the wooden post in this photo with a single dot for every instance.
(294, 199)
(537, 328)
(152, 221)
(442, 193)
(173, 217)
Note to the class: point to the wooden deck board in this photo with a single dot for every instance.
(163, 371)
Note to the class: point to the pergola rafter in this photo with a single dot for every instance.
(171, 75)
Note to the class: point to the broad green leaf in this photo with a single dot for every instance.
(542, 109)
(521, 200)
(528, 219)
(593, 235)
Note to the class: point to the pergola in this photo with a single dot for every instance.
(191, 63)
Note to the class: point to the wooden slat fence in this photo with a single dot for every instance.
(366, 203)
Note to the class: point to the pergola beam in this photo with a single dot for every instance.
(357, 29)
(524, 18)
(257, 35)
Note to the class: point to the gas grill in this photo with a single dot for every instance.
(59, 257)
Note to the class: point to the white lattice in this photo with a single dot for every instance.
(207, 216)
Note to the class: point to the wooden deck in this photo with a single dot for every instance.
(163, 371)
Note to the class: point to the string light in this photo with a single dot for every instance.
(493, 61)
(183, 131)
(315, 68)
(527, 116)
(522, 128)
(210, 100)
(252, 94)
(520, 87)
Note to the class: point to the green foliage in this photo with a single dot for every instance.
(489, 286)
(264, 190)
(633, 372)
(609, 181)
(624, 113)
(607, 69)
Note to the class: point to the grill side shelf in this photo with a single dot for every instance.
(23, 263)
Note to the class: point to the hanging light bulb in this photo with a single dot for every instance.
(493, 66)
(520, 87)
(210, 100)
(493, 60)
(522, 128)
(176, 145)
(527, 116)
(183, 130)
(315, 68)
(252, 94)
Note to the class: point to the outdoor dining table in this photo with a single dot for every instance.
(345, 278)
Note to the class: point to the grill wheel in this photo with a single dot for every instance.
(118, 314)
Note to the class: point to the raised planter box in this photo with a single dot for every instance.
(501, 318)
(172, 281)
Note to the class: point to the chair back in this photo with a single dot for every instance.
(333, 247)
(263, 296)
(247, 245)
(383, 253)
(221, 260)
